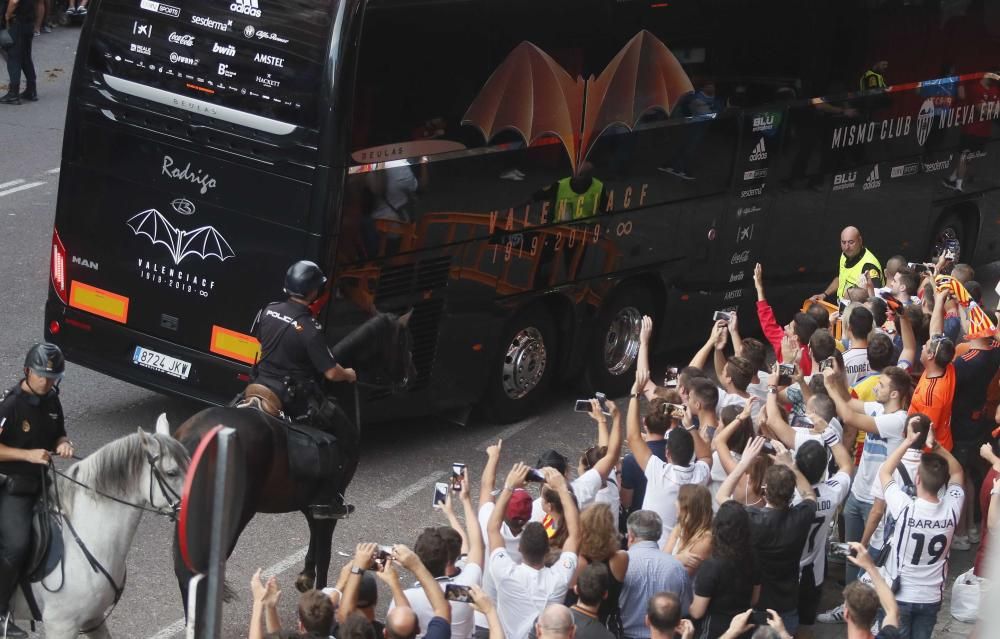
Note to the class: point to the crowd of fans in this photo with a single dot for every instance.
(865, 443)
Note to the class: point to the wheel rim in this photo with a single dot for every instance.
(621, 344)
(524, 363)
(947, 240)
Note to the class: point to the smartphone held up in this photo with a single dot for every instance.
(457, 474)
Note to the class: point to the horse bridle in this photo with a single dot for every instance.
(173, 498)
(173, 505)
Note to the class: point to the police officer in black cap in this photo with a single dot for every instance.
(31, 425)
(295, 359)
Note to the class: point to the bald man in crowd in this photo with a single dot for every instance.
(555, 622)
(858, 267)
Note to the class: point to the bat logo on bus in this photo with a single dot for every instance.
(203, 242)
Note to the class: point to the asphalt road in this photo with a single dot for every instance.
(400, 461)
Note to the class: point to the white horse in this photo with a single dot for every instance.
(142, 471)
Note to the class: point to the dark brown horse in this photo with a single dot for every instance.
(379, 350)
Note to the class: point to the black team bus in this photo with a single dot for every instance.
(530, 177)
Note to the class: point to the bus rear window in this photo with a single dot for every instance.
(262, 57)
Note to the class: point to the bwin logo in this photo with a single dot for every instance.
(759, 152)
(227, 50)
(247, 7)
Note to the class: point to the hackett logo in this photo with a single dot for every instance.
(204, 180)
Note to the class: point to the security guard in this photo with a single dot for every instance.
(874, 78)
(31, 425)
(295, 359)
(857, 264)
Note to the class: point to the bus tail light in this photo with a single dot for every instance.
(58, 268)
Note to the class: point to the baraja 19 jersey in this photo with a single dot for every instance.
(921, 542)
(829, 495)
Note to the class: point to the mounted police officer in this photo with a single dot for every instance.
(295, 360)
(31, 425)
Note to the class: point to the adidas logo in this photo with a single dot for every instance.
(759, 152)
(246, 7)
(872, 181)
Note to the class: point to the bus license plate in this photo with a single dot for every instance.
(161, 363)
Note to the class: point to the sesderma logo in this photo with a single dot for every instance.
(759, 152)
(246, 7)
(872, 181)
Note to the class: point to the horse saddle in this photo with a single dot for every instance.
(46, 549)
(263, 399)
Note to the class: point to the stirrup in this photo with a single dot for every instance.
(331, 511)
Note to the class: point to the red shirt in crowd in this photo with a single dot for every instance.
(773, 332)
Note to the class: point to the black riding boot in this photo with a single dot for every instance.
(330, 503)
(8, 584)
(9, 629)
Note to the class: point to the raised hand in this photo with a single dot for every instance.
(517, 475)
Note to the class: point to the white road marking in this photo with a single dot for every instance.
(411, 490)
(296, 557)
(299, 555)
(506, 433)
(12, 183)
(172, 630)
(54, 171)
(23, 187)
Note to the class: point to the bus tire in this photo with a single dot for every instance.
(523, 367)
(950, 234)
(614, 345)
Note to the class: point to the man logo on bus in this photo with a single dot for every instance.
(925, 121)
(246, 7)
(759, 152)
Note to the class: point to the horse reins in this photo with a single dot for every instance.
(173, 503)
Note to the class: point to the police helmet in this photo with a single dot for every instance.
(46, 360)
(303, 278)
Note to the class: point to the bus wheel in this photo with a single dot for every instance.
(523, 367)
(615, 345)
(948, 237)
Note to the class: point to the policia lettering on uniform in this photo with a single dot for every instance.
(31, 425)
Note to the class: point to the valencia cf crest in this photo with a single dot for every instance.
(26, 426)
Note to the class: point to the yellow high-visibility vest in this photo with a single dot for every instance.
(571, 205)
(850, 276)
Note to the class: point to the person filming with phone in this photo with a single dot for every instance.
(523, 590)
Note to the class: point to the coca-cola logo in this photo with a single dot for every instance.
(181, 38)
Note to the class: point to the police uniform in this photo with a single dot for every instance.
(27, 422)
(294, 355)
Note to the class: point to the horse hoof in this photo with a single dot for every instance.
(305, 582)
